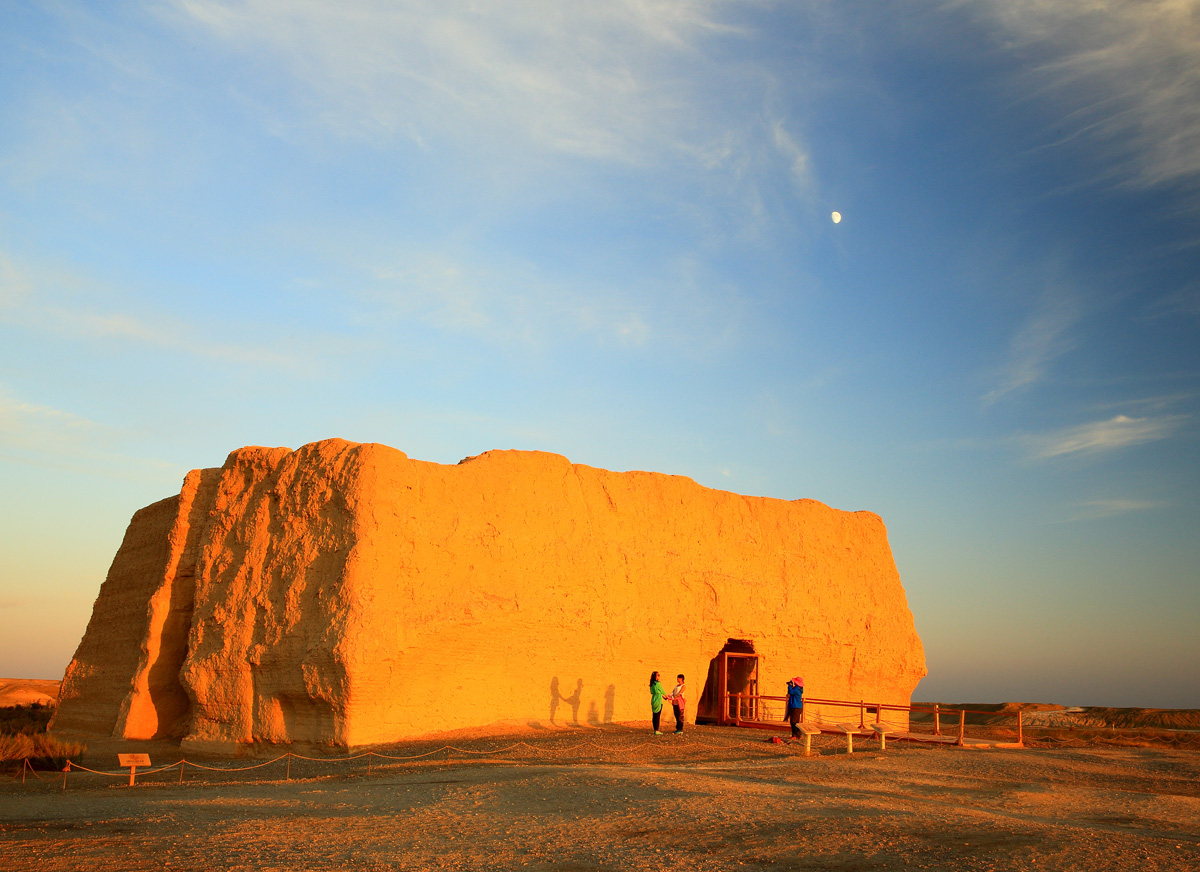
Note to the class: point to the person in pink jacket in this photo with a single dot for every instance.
(678, 702)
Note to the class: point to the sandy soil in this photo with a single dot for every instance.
(712, 799)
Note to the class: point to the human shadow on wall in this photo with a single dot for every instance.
(574, 701)
(610, 699)
(555, 697)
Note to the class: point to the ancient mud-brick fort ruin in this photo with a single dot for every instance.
(344, 594)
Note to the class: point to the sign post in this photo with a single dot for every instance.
(133, 761)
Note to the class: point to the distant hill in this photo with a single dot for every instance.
(1039, 714)
(25, 691)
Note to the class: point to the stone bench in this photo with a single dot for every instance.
(808, 732)
(883, 732)
(849, 730)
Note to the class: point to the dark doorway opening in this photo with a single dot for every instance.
(731, 688)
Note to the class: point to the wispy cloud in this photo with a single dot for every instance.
(599, 79)
(50, 300)
(31, 426)
(164, 333)
(518, 94)
(1102, 436)
(1183, 301)
(797, 158)
(1043, 337)
(1098, 510)
(41, 435)
(513, 303)
(14, 285)
(1125, 73)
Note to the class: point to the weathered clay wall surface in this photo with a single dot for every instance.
(344, 593)
(98, 678)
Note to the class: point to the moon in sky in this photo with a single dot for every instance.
(837, 217)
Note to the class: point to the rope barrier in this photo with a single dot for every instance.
(324, 759)
(242, 768)
(72, 766)
(372, 756)
(26, 765)
(561, 752)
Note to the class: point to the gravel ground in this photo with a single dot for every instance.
(618, 799)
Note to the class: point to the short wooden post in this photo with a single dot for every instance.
(862, 715)
(181, 772)
(962, 727)
(937, 720)
(66, 769)
(24, 764)
(289, 766)
(879, 713)
(1020, 730)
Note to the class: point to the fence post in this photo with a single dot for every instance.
(862, 715)
(879, 713)
(1020, 731)
(937, 723)
(962, 726)
(66, 769)
(289, 766)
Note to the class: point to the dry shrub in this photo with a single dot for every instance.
(27, 719)
(41, 750)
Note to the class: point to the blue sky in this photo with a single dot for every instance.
(604, 230)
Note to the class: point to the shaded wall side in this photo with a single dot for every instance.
(158, 706)
(101, 673)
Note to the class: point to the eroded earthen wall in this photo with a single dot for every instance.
(157, 704)
(272, 598)
(346, 594)
(517, 585)
(101, 673)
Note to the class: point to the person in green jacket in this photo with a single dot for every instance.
(656, 701)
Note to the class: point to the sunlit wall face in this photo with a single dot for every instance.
(611, 231)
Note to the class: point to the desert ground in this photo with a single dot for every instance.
(618, 798)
